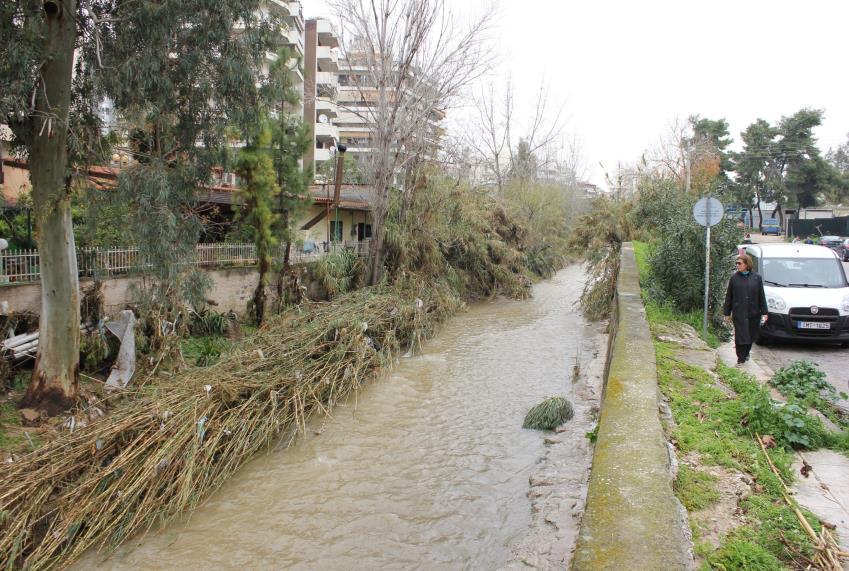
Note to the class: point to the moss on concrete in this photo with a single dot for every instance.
(632, 519)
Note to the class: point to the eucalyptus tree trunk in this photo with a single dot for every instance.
(55, 377)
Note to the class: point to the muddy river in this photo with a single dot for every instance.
(425, 468)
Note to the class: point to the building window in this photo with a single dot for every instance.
(363, 231)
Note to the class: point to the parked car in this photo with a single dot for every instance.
(806, 292)
(831, 241)
(770, 226)
(843, 250)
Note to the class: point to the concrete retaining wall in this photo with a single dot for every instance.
(632, 519)
(231, 290)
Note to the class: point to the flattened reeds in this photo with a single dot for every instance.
(164, 451)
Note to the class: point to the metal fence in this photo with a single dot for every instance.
(23, 266)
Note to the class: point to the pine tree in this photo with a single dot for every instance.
(259, 188)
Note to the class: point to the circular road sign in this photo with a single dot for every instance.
(708, 212)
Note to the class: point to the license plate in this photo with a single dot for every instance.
(812, 325)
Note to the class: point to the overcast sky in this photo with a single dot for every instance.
(627, 69)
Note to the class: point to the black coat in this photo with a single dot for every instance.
(745, 300)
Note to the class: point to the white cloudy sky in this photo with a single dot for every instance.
(627, 69)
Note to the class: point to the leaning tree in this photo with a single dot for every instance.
(176, 73)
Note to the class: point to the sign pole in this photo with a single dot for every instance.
(707, 282)
(707, 212)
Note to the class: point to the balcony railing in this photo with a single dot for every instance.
(23, 266)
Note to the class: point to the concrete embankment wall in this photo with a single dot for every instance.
(632, 518)
(231, 289)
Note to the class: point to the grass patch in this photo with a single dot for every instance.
(720, 429)
(740, 555)
(696, 489)
(203, 351)
(10, 421)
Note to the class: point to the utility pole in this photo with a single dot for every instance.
(340, 167)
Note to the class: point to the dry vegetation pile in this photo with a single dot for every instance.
(164, 451)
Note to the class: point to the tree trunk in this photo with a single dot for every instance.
(55, 377)
(259, 292)
(376, 254)
(760, 214)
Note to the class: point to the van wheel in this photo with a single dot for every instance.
(762, 341)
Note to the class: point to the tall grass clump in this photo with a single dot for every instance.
(549, 414)
(339, 272)
(471, 238)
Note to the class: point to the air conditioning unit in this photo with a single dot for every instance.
(229, 179)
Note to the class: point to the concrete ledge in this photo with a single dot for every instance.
(632, 519)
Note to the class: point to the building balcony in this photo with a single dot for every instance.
(295, 72)
(280, 7)
(326, 58)
(327, 78)
(322, 155)
(326, 133)
(297, 15)
(326, 107)
(292, 39)
(326, 33)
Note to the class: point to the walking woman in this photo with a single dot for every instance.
(745, 303)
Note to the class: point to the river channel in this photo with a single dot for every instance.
(425, 468)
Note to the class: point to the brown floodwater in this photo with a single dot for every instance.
(427, 468)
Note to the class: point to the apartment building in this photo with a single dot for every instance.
(321, 82)
(290, 35)
(356, 100)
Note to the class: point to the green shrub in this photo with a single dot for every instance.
(790, 424)
(93, 350)
(204, 351)
(677, 259)
(804, 381)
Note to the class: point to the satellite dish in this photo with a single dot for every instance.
(322, 119)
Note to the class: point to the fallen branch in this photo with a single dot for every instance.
(828, 553)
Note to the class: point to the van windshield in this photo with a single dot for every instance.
(802, 272)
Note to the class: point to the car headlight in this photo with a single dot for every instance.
(844, 305)
(777, 303)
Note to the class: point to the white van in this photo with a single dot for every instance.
(806, 292)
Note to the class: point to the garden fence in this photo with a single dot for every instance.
(22, 266)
